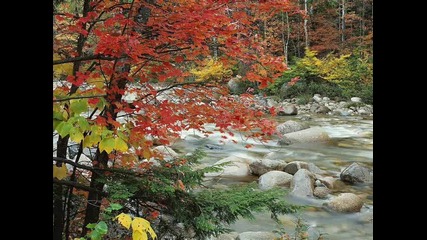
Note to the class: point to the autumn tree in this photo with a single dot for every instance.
(133, 74)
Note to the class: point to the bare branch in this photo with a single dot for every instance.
(83, 58)
(78, 97)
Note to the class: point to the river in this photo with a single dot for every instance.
(352, 141)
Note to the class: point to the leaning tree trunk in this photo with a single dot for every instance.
(58, 201)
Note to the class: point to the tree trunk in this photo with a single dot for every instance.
(288, 31)
(343, 21)
(58, 201)
(305, 24)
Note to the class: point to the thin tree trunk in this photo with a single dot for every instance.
(288, 31)
(305, 24)
(58, 201)
(343, 21)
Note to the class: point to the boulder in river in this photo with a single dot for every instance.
(346, 203)
(321, 192)
(274, 179)
(355, 173)
(290, 126)
(313, 134)
(256, 236)
(294, 166)
(237, 167)
(302, 183)
(166, 152)
(290, 109)
(322, 109)
(262, 166)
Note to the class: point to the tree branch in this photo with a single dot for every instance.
(78, 97)
(78, 185)
(83, 58)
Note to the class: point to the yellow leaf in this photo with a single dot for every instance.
(124, 219)
(120, 145)
(142, 225)
(137, 235)
(107, 144)
(147, 154)
(60, 172)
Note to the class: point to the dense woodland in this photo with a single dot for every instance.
(175, 58)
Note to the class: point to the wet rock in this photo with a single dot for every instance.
(283, 141)
(233, 84)
(355, 173)
(327, 181)
(214, 147)
(346, 203)
(323, 110)
(256, 236)
(290, 109)
(314, 107)
(274, 179)
(326, 99)
(313, 134)
(321, 192)
(271, 103)
(236, 168)
(290, 126)
(302, 183)
(262, 166)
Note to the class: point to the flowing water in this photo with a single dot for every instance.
(351, 141)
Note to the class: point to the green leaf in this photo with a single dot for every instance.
(79, 106)
(101, 104)
(107, 144)
(115, 206)
(95, 235)
(76, 135)
(90, 140)
(83, 124)
(91, 225)
(64, 128)
(120, 145)
(102, 228)
(58, 116)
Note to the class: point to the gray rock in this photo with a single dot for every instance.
(262, 166)
(256, 236)
(314, 107)
(356, 99)
(346, 203)
(323, 110)
(327, 181)
(294, 166)
(283, 141)
(290, 109)
(271, 103)
(313, 134)
(290, 126)
(356, 173)
(302, 183)
(326, 99)
(274, 179)
(236, 168)
(317, 98)
(233, 84)
(321, 192)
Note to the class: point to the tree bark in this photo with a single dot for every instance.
(342, 21)
(58, 201)
(288, 31)
(305, 24)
